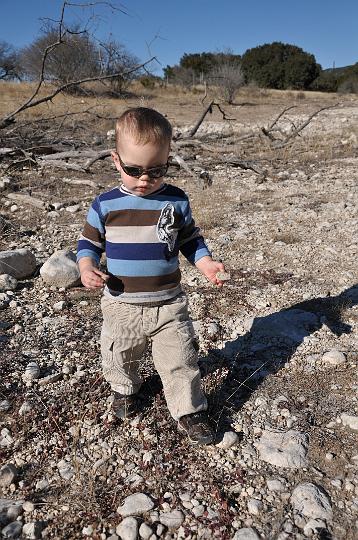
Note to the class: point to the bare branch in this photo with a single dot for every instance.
(209, 109)
(295, 130)
(11, 117)
(101, 155)
(62, 31)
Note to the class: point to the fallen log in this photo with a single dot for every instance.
(100, 155)
(62, 165)
(80, 182)
(78, 154)
(22, 198)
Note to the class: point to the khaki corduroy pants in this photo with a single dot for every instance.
(125, 332)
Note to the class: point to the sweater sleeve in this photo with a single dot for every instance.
(91, 242)
(191, 241)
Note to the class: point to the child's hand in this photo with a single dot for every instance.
(210, 268)
(91, 277)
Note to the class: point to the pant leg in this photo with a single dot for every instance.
(122, 345)
(175, 358)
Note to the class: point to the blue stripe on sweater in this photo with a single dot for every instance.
(88, 253)
(123, 268)
(139, 203)
(194, 249)
(115, 193)
(139, 252)
(84, 244)
(94, 219)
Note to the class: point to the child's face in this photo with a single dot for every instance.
(146, 156)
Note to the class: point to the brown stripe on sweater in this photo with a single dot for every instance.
(132, 217)
(144, 283)
(92, 233)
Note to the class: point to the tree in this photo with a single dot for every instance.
(75, 57)
(9, 62)
(58, 68)
(199, 63)
(197, 67)
(280, 65)
(327, 81)
(114, 58)
(178, 75)
(228, 77)
(342, 79)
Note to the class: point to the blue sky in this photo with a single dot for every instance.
(169, 28)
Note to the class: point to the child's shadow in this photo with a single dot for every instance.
(268, 344)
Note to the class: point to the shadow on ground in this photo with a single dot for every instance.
(267, 346)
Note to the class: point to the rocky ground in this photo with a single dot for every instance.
(278, 352)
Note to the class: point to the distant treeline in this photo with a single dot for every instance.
(273, 65)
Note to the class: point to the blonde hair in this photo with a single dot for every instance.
(145, 125)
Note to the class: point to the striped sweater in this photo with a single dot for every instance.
(142, 237)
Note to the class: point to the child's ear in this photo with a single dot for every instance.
(115, 159)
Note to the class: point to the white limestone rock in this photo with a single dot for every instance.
(283, 449)
(6, 439)
(311, 502)
(33, 529)
(8, 474)
(145, 531)
(73, 208)
(333, 358)
(350, 421)
(254, 506)
(32, 371)
(61, 270)
(172, 519)
(128, 529)
(19, 263)
(7, 283)
(65, 469)
(314, 526)
(26, 408)
(5, 405)
(275, 485)
(12, 530)
(135, 504)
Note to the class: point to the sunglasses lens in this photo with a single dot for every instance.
(132, 171)
(137, 172)
(157, 172)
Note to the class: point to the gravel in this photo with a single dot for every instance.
(277, 350)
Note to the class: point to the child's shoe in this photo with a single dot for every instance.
(125, 406)
(197, 428)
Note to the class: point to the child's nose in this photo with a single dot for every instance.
(145, 176)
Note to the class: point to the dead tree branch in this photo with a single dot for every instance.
(295, 130)
(209, 109)
(100, 155)
(62, 31)
(10, 118)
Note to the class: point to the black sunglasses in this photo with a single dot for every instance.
(137, 172)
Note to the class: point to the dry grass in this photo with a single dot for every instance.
(179, 104)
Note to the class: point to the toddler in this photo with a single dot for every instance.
(142, 225)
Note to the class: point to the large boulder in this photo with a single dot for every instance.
(19, 263)
(61, 270)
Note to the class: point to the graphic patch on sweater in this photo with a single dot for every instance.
(165, 231)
